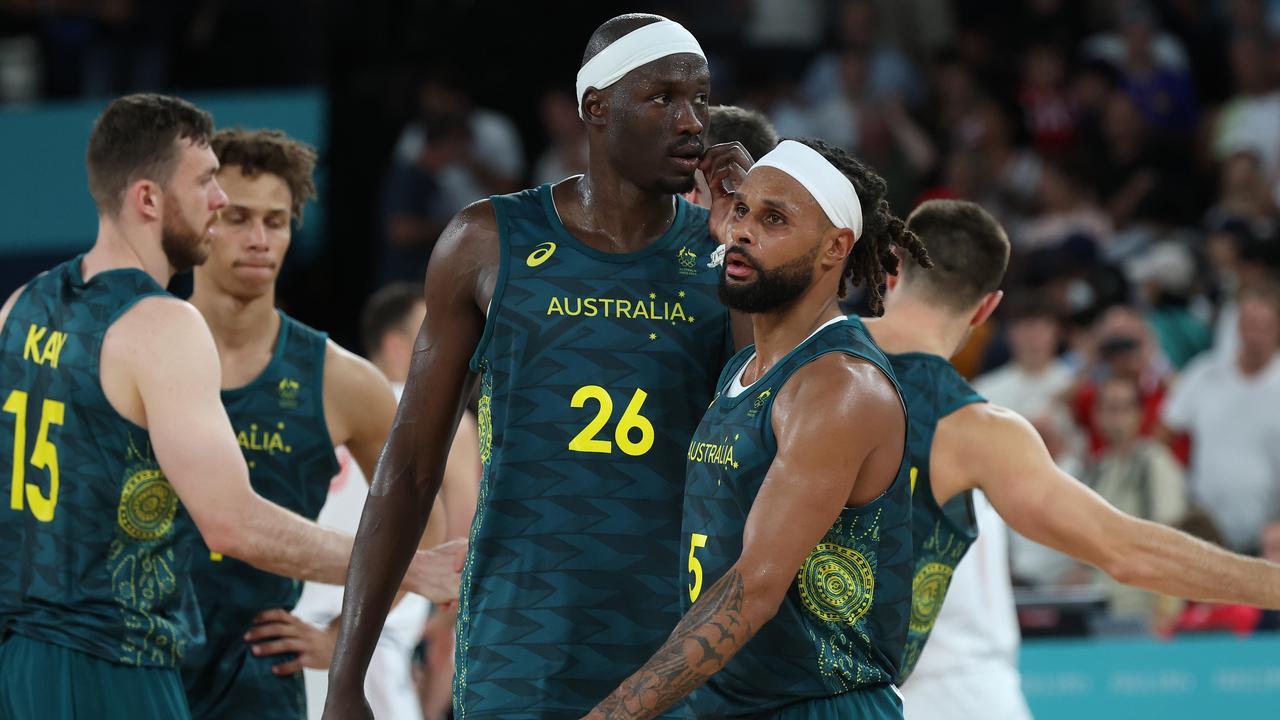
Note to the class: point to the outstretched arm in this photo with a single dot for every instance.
(410, 470)
(816, 470)
(1006, 459)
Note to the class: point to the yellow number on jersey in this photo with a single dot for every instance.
(696, 540)
(44, 456)
(586, 441)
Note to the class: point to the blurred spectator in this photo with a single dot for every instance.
(1153, 68)
(1123, 346)
(1228, 405)
(1165, 275)
(888, 72)
(1244, 195)
(1250, 121)
(1137, 475)
(450, 156)
(784, 32)
(1046, 106)
(1142, 177)
(1240, 260)
(567, 155)
(1068, 208)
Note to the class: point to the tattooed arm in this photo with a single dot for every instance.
(819, 468)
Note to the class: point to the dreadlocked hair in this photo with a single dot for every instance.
(872, 257)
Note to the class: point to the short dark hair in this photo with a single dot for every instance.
(270, 151)
(970, 251)
(136, 137)
(384, 311)
(730, 123)
(872, 257)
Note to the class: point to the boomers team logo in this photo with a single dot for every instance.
(147, 505)
(836, 583)
(927, 590)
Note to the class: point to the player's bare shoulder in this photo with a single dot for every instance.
(356, 394)
(158, 330)
(468, 252)
(846, 387)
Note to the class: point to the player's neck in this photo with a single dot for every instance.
(238, 324)
(909, 326)
(117, 247)
(607, 209)
(778, 333)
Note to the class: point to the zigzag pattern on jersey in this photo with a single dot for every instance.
(570, 582)
(933, 389)
(104, 575)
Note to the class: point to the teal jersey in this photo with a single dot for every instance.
(933, 390)
(594, 370)
(91, 560)
(279, 422)
(843, 624)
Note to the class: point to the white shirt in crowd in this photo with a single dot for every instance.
(1235, 443)
(969, 667)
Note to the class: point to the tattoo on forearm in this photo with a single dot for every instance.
(706, 638)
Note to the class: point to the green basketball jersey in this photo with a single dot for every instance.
(89, 557)
(279, 422)
(843, 623)
(933, 389)
(595, 368)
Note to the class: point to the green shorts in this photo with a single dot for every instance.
(41, 681)
(881, 703)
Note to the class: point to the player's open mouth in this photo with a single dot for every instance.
(736, 268)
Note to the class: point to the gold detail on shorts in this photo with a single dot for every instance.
(927, 590)
(836, 583)
(147, 505)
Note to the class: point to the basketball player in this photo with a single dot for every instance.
(589, 313)
(292, 395)
(797, 501)
(388, 326)
(105, 375)
(959, 443)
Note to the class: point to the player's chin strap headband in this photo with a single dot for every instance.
(833, 191)
(636, 48)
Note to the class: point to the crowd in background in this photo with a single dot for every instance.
(1130, 148)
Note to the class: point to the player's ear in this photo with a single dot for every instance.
(989, 303)
(144, 196)
(839, 243)
(594, 106)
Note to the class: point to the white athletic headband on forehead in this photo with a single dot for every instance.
(638, 47)
(833, 191)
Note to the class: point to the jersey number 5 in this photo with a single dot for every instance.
(585, 441)
(696, 540)
(44, 456)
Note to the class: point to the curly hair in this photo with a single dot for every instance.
(270, 151)
(872, 257)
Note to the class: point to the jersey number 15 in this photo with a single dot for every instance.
(44, 456)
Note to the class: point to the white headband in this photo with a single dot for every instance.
(636, 48)
(833, 191)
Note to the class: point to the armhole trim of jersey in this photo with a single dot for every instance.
(499, 286)
(16, 301)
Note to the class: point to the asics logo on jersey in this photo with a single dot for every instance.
(540, 254)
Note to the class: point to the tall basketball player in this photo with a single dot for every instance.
(589, 314)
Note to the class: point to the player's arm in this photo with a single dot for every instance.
(163, 348)
(813, 474)
(999, 452)
(409, 473)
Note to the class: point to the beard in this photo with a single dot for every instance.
(183, 245)
(771, 289)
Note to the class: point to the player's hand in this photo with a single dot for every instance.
(436, 573)
(724, 166)
(275, 632)
(341, 705)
